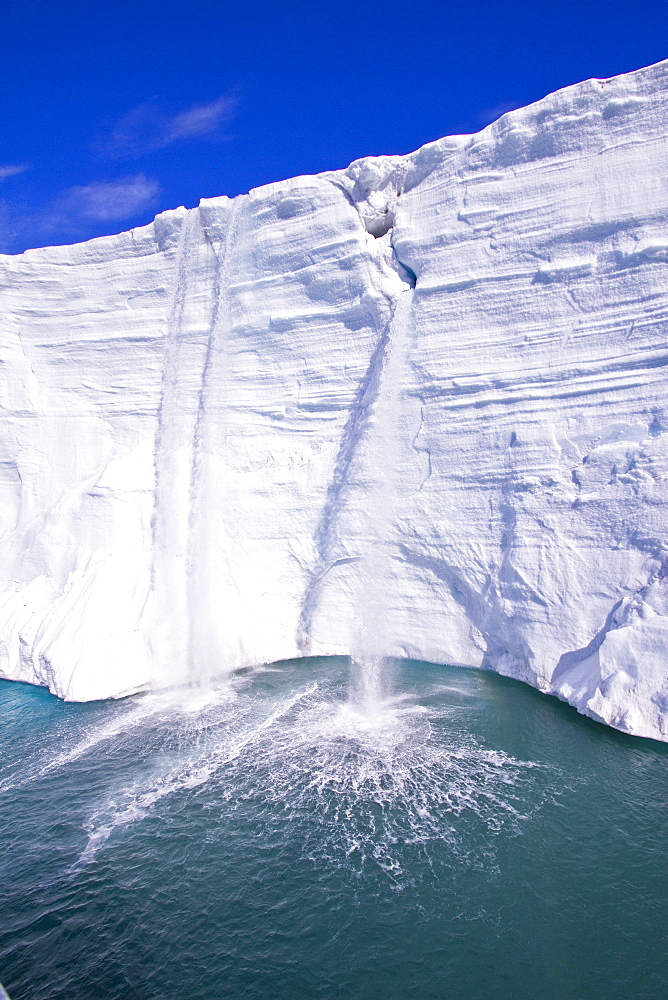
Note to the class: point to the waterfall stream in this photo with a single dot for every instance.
(370, 683)
(172, 457)
(193, 517)
(186, 514)
(206, 521)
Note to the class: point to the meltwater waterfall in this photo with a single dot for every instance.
(208, 510)
(193, 521)
(189, 512)
(194, 514)
(380, 445)
(173, 460)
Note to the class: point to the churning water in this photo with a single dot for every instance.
(295, 836)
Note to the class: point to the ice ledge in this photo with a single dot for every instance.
(415, 407)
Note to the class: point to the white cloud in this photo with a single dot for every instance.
(201, 119)
(105, 201)
(77, 212)
(147, 127)
(11, 169)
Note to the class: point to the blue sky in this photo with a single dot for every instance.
(113, 110)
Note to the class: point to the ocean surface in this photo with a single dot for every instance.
(283, 836)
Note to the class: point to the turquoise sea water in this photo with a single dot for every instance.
(468, 838)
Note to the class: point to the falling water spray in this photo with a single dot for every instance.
(172, 457)
(370, 682)
(186, 519)
(206, 569)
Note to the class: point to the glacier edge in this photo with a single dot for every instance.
(416, 407)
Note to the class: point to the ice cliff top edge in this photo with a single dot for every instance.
(413, 408)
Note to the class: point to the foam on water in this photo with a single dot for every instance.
(279, 838)
(196, 765)
(359, 785)
(149, 709)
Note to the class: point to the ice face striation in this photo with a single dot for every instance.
(414, 408)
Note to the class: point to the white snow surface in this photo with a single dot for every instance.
(240, 434)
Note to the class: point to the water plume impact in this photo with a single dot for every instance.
(279, 835)
(363, 778)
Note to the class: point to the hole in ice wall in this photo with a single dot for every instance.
(380, 224)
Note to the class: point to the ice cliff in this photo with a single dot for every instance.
(416, 407)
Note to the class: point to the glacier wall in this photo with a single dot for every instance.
(417, 407)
